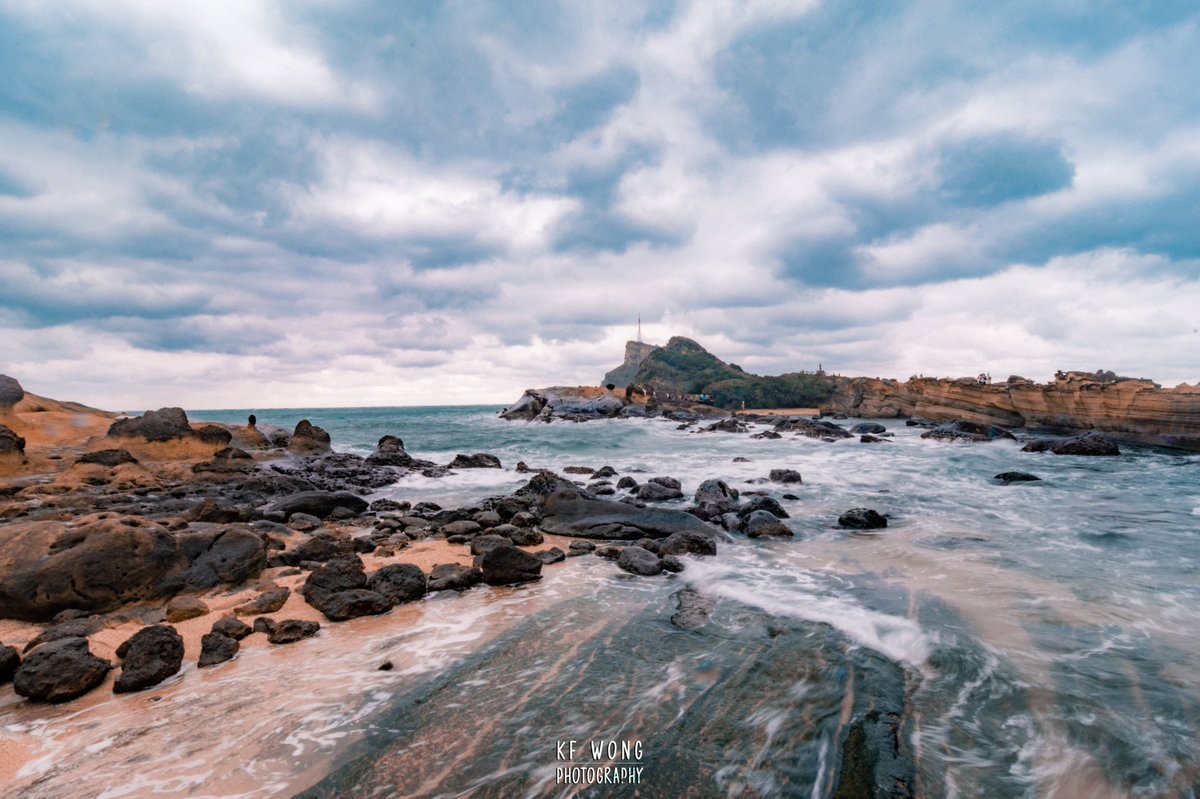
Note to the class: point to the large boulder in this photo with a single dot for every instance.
(967, 431)
(399, 582)
(769, 504)
(215, 557)
(577, 516)
(715, 497)
(1090, 443)
(60, 670)
(341, 574)
(317, 503)
(163, 424)
(507, 565)
(152, 655)
(689, 542)
(10, 392)
(308, 439)
(480, 460)
(763, 524)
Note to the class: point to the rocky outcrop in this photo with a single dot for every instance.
(1090, 443)
(308, 439)
(570, 514)
(967, 431)
(574, 403)
(635, 353)
(1135, 411)
(12, 446)
(10, 392)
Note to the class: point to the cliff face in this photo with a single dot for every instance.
(635, 353)
(1130, 410)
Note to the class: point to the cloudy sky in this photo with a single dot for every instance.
(230, 204)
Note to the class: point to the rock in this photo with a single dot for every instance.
(10, 392)
(10, 660)
(291, 630)
(389, 505)
(317, 503)
(873, 428)
(266, 602)
(591, 518)
(108, 457)
(608, 551)
(1005, 478)
(262, 624)
(648, 544)
(152, 655)
(453, 577)
(182, 608)
(785, 476)
(73, 628)
(862, 519)
(812, 429)
(487, 519)
(669, 482)
(967, 431)
(11, 444)
(604, 471)
(715, 497)
(732, 521)
(692, 609)
(657, 492)
(399, 582)
(60, 670)
(351, 604)
(163, 424)
(480, 460)
(726, 426)
(507, 565)
(308, 439)
(627, 482)
(763, 524)
(214, 435)
(636, 560)
(867, 438)
(688, 543)
(230, 555)
(217, 648)
(577, 548)
(551, 555)
(523, 519)
(526, 537)
(486, 543)
(673, 564)
(464, 527)
(304, 522)
(232, 454)
(1090, 443)
(762, 503)
(232, 627)
(765, 435)
(336, 576)
(588, 470)
(390, 452)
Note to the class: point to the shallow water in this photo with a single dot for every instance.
(1024, 640)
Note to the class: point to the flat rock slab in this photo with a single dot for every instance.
(594, 518)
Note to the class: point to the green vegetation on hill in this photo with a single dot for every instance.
(684, 367)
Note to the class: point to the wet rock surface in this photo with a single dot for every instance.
(59, 671)
(152, 655)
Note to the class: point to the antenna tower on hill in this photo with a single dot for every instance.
(639, 328)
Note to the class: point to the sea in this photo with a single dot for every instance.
(1037, 639)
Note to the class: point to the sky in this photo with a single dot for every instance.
(308, 203)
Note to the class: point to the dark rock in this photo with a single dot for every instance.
(486, 543)
(588, 470)
(487, 519)
(919, 422)
(605, 471)
(1090, 443)
(304, 522)
(762, 503)
(308, 439)
(318, 503)
(526, 537)
(551, 555)
(108, 457)
(716, 497)
(231, 626)
(262, 624)
(726, 426)
(217, 648)
(648, 544)
(464, 527)
(692, 609)
(873, 760)
(353, 603)
(785, 476)
(669, 482)
(480, 460)
(390, 452)
(576, 548)
(10, 391)
(152, 655)
(637, 560)
(591, 518)
(213, 434)
(389, 505)
(763, 524)
(862, 519)
(10, 660)
(967, 431)
(399, 582)
(507, 565)
(453, 577)
(322, 548)
(732, 522)
(873, 428)
(231, 555)
(163, 424)
(740, 459)
(74, 628)
(657, 492)
(363, 546)
(812, 429)
(673, 564)
(291, 630)
(765, 435)
(214, 512)
(688, 542)
(266, 602)
(609, 551)
(60, 670)
(182, 608)
(232, 454)
(1015, 477)
(11, 444)
(627, 482)
(336, 576)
